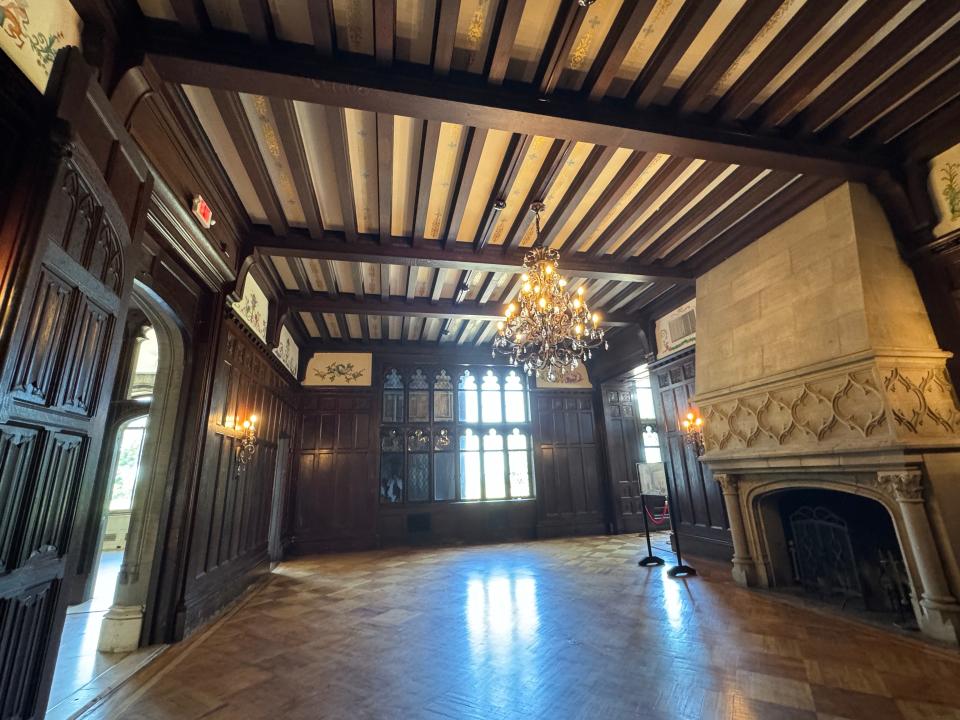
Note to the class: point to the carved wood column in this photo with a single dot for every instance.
(940, 611)
(743, 565)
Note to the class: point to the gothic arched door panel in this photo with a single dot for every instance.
(72, 287)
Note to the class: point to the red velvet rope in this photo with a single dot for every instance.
(664, 516)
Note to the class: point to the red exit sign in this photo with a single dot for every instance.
(202, 212)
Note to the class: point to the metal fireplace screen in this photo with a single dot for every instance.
(823, 553)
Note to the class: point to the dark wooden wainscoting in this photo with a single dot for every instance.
(228, 545)
(699, 515)
(572, 498)
(335, 485)
(623, 441)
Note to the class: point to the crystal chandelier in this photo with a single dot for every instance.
(547, 330)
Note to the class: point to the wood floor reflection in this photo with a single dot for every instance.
(556, 629)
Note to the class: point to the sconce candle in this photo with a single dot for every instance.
(247, 445)
(692, 428)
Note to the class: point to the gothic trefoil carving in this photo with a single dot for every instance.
(922, 400)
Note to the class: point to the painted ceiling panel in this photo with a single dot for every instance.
(282, 266)
(588, 42)
(449, 147)
(330, 320)
(354, 21)
(371, 277)
(398, 280)
(291, 20)
(431, 330)
(474, 25)
(656, 26)
(310, 324)
(406, 146)
(424, 279)
(414, 30)
(316, 144)
(491, 158)
(686, 208)
(414, 326)
(474, 282)
(535, 25)
(629, 194)
(590, 197)
(361, 132)
(342, 272)
(161, 9)
(394, 325)
(225, 15)
(212, 122)
(701, 45)
(662, 198)
(517, 193)
(353, 326)
(450, 280)
(559, 186)
(260, 117)
(373, 327)
(315, 274)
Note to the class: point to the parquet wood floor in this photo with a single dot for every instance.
(561, 629)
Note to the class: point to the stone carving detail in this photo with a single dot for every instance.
(728, 483)
(902, 484)
(922, 401)
(850, 406)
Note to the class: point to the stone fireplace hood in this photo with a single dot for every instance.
(817, 368)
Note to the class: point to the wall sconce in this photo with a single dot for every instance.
(692, 428)
(247, 445)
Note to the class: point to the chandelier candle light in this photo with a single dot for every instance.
(547, 330)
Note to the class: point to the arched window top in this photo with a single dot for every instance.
(490, 381)
(143, 373)
(393, 380)
(513, 381)
(418, 381)
(467, 381)
(126, 462)
(442, 381)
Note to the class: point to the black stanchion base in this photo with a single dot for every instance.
(651, 560)
(681, 571)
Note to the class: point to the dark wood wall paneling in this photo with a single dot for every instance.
(697, 508)
(623, 444)
(228, 537)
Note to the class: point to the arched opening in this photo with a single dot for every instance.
(837, 548)
(105, 629)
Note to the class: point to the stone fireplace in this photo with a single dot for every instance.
(817, 370)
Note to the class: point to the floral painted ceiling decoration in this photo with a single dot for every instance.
(34, 31)
(253, 307)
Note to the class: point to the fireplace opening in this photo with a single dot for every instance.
(840, 549)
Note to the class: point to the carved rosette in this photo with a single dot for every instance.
(902, 485)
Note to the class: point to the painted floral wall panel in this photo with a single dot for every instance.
(288, 351)
(677, 329)
(34, 31)
(339, 370)
(253, 307)
(574, 379)
(945, 188)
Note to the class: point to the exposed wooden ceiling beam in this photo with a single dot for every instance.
(509, 169)
(385, 174)
(258, 20)
(416, 307)
(508, 22)
(336, 122)
(564, 31)
(322, 26)
(623, 33)
(596, 161)
(384, 282)
(432, 254)
(553, 163)
(439, 275)
(289, 130)
(473, 149)
(428, 161)
(384, 30)
(192, 14)
(329, 279)
(356, 274)
(225, 61)
(445, 35)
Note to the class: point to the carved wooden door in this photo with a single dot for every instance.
(623, 449)
(72, 287)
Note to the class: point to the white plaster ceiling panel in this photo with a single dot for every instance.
(361, 132)
(291, 20)
(282, 266)
(353, 325)
(371, 277)
(394, 325)
(210, 119)
(431, 330)
(558, 188)
(225, 15)
(655, 27)
(857, 54)
(491, 157)
(474, 24)
(629, 194)
(398, 280)
(424, 276)
(449, 147)
(354, 21)
(333, 328)
(343, 274)
(792, 67)
(315, 274)
(687, 208)
(310, 324)
(450, 280)
(260, 116)
(593, 31)
(373, 327)
(414, 30)
(160, 9)
(316, 144)
(655, 205)
(604, 178)
(517, 193)
(406, 145)
(414, 326)
(535, 24)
